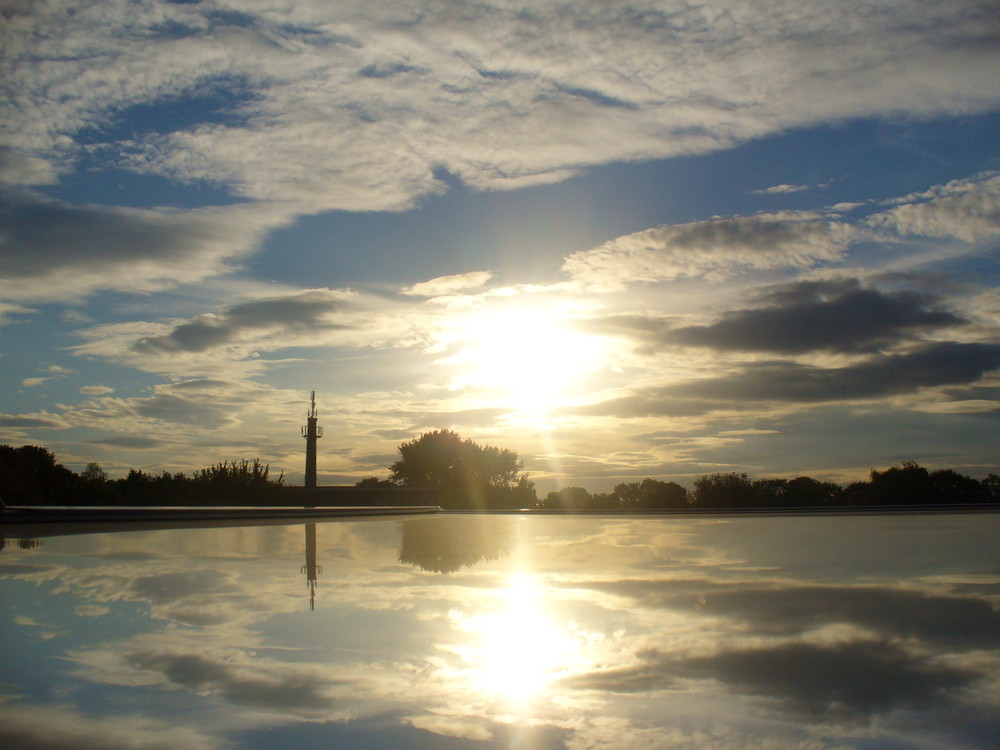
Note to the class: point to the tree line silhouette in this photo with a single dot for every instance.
(465, 475)
(903, 485)
(30, 475)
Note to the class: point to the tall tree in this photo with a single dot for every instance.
(469, 474)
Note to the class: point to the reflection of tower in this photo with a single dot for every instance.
(311, 433)
(311, 569)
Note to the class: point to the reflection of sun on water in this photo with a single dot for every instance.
(523, 358)
(518, 650)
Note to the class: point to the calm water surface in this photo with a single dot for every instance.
(507, 632)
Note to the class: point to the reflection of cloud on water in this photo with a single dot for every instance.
(445, 544)
(634, 638)
(944, 619)
(824, 682)
(258, 683)
(61, 728)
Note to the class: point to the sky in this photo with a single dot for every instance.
(626, 240)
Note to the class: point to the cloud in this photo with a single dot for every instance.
(813, 315)
(43, 420)
(356, 105)
(853, 680)
(783, 382)
(306, 313)
(56, 251)
(449, 284)
(61, 728)
(129, 442)
(284, 686)
(715, 248)
(965, 622)
(172, 410)
(781, 189)
(33, 382)
(7, 310)
(967, 210)
(227, 344)
(823, 681)
(96, 390)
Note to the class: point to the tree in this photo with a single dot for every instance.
(29, 475)
(730, 490)
(568, 498)
(468, 474)
(374, 483)
(649, 493)
(94, 473)
(803, 491)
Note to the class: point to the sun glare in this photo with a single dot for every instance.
(523, 358)
(518, 648)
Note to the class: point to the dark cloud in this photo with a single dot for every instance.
(32, 420)
(134, 442)
(171, 408)
(301, 313)
(939, 364)
(860, 678)
(53, 250)
(838, 316)
(170, 587)
(289, 688)
(967, 622)
(821, 682)
(933, 365)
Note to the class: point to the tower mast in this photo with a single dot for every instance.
(311, 433)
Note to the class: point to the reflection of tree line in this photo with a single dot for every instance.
(445, 544)
(22, 543)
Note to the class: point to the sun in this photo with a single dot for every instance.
(525, 358)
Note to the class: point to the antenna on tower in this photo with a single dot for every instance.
(311, 432)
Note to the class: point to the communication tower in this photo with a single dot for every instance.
(311, 433)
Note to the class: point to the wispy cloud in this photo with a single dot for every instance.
(781, 189)
(449, 284)
(384, 95)
(966, 209)
(714, 248)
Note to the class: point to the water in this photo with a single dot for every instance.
(507, 632)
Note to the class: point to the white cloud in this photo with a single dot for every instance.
(353, 105)
(966, 209)
(716, 247)
(449, 284)
(96, 390)
(7, 310)
(780, 189)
